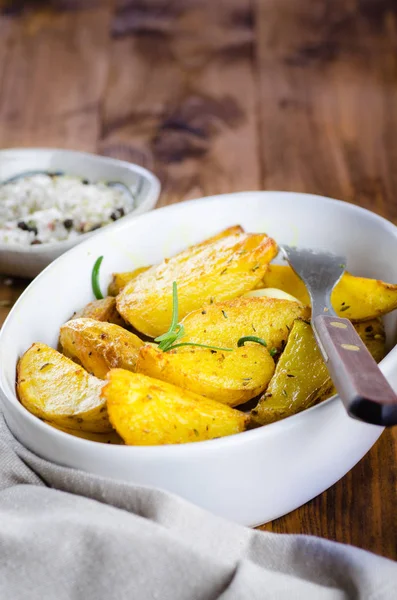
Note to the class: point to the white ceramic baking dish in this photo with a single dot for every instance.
(251, 477)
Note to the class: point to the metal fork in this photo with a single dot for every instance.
(361, 385)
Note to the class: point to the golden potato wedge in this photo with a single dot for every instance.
(216, 270)
(373, 335)
(228, 377)
(103, 438)
(225, 323)
(282, 277)
(120, 280)
(147, 412)
(356, 298)
(301, 379)
(101, 310)
(99, 346)
(361, 299)
(55, 389)
(271, 293)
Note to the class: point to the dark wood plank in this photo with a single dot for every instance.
(53, 71)
(328, 89)
(329, 98)
(181, 97)
(10, 290)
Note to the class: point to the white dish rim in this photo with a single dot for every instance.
(191, 448)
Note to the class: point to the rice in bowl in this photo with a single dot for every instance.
(43, 208)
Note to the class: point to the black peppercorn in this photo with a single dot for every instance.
(117, 214)
(29, 226)
(68, 224)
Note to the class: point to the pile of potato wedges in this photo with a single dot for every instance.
(241, 354)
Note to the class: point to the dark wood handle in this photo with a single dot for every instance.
(360, 383)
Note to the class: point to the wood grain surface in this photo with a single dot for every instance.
(220, 97)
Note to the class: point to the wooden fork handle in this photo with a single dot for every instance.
(360, 383)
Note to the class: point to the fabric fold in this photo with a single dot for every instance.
(66, 534)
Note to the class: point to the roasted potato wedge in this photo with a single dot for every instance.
(101, 310)
(356, 298)
(225, 323)
(99, 346)
(120, 280)
(282, 277)
(373, 335)
(301, 379)
(103, 438)
(271, 293)
(213, 271)
(146, 412)
(361, 299)
(228, 377)
(55, 389)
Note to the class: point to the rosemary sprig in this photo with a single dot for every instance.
(251, 338)
(177, 330)
(94, 279)
(257, 340)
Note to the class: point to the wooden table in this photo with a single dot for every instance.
(220, 97)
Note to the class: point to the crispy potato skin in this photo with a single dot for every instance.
(373, 335)
(103, 438)
(361, 299)
(282, 277)
(99, 346)
(101, 310)
(228, 377)
(120, 280)
(55, 389)
(225, 323)
(301, 379)
(211, 271)
(145, 412)
(271, 293)
(356, 298)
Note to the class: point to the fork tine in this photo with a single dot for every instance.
(320, 271)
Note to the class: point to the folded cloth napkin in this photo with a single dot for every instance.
(65, 534)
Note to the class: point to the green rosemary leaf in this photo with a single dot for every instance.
(251, 338)
(94, 279)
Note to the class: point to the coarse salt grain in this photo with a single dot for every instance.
(40, 209)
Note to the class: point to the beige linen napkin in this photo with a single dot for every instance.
(65, 534)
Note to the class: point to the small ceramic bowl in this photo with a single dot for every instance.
(251, 477)
(29, 261)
